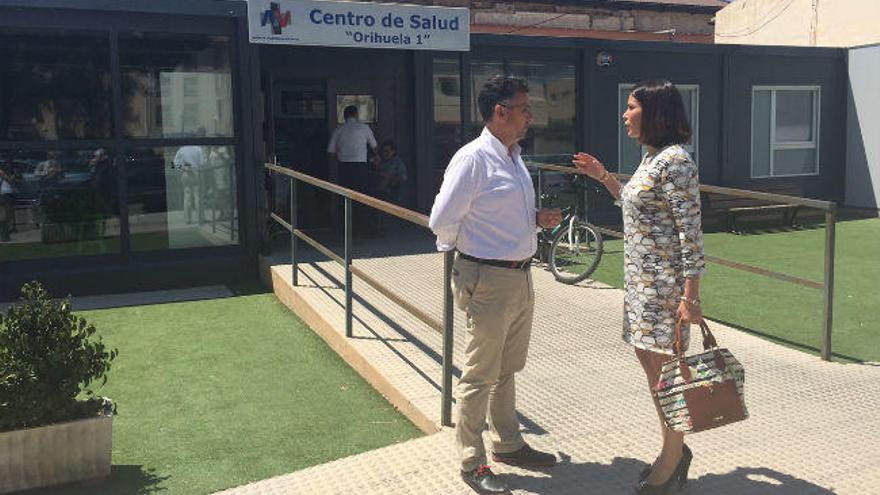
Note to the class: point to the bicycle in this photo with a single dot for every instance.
(572, 250)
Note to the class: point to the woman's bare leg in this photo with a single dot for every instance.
(671, 452)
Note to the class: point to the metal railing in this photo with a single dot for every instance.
(829, 207)
(445, 327)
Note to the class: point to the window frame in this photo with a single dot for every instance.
(693, 119)
(816, 91)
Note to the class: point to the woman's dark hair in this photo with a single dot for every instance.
(389, 143)
(350, 111)
(663, 117)
(497, 90)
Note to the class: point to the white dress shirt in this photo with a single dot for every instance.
(194, 156)
(350, 140)
(486, 205)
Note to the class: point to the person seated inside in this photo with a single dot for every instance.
(49, 169)
(392, 172)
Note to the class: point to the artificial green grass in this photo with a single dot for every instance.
(214, 394)
(787, 313)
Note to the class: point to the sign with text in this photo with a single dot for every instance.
(359, 25)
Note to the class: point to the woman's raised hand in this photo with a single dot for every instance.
(589, 164)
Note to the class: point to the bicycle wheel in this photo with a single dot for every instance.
(575, 252)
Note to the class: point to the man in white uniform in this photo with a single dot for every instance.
(348, 145)
(486, 211)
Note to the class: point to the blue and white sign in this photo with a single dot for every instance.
(360, 25)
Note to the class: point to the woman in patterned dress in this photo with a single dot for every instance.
(663, 249)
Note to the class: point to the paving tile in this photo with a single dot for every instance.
(814, 426)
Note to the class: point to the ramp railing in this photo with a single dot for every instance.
(445, 327)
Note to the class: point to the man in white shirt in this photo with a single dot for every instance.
(348, 145)
(486, 211)
(190, 160)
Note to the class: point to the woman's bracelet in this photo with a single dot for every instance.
(694, 302)
(606, 174)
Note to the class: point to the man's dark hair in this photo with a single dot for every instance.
(497, 90)
(388, 143)
(350, 111)
(664, 121)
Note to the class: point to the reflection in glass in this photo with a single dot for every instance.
(553, 100)
(552, 97)
(794, 116)
(176, 86)
(447, 115)
(182, 197)
(481, 71)
(366, 105)
(302, 104)
(58, 203)
(794, 162)
(48, 93)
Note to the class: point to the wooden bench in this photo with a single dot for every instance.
(731, 207)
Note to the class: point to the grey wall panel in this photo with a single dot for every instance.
(863, 128)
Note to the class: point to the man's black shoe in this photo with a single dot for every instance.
(483, 480)
(526, 457)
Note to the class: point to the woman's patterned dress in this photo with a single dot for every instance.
(663, 244)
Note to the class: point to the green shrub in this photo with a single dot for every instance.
(49, 358)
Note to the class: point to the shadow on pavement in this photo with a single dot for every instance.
(621, 475)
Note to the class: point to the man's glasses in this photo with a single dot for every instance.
(526, 108)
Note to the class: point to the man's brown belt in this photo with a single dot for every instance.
(515, 265)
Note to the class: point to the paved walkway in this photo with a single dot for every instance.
(815, 426)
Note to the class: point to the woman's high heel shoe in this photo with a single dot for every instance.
(683, 466)
(679, 475)
(685, 451)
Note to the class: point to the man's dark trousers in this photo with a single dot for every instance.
(354, 175)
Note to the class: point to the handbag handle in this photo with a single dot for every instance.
(709, 342)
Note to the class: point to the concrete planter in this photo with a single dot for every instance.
(54, 454)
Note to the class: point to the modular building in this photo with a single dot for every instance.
(137, 132)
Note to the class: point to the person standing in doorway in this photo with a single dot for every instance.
(348, 145)
(486, 211)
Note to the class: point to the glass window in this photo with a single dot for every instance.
(55, 87)
(630, 153)
(58, 203)
(303, 104)
(552, 97)
(481, 71)
(176, 86)
(785, 130)
(447, 115)
(366, 105)
(794, 161)
(794, 116)
(182, 197)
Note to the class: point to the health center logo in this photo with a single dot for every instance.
(275, 17)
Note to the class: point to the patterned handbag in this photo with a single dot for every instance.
(702, 391)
